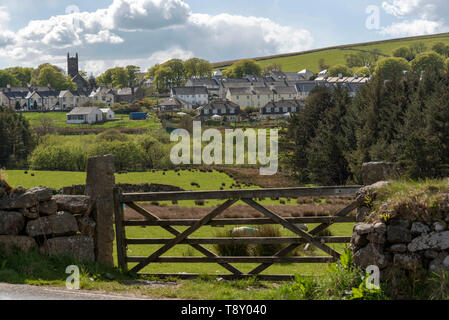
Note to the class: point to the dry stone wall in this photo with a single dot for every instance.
(416, 243)
(39, 218)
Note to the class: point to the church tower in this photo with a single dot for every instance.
(72, 65)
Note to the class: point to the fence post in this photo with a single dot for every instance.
(100, 185)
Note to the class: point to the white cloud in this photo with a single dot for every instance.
(418, 17)
(144, 31)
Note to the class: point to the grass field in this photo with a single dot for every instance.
(210, 232)
(333, 56)
(59, 121)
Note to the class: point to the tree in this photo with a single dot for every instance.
(242, 68)
(390, 68)
(361, 59)
(272, 67)
(441, 48)
(133, 72)
(338, 69)
(24, 75)
(322, 65)
(404, 52)
(363, 72)
(446, 65)
(428, 61)
(7, 78)
(50, 75)
(197, 68)
(418, 48)
(16, 137)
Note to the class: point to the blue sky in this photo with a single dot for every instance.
(144, 32)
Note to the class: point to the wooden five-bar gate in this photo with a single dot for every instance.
(131, 200)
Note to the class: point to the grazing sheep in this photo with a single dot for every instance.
(244, 231)
(302, 226)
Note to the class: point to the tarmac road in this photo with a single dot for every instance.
(27, 292)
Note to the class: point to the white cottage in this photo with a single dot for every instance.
(108, 114)
(88, 115)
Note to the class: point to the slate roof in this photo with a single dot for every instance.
(83, 110)
(183, 91)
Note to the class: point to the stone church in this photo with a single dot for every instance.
(73, 72)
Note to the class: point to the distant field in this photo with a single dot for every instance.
(59, 120)
(336, 55)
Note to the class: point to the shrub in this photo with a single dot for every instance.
(127, 155)
(267, 231)
(58, 157)
(231, 250)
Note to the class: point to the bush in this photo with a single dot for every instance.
(231, 250)
(127, 155)
(53, 157)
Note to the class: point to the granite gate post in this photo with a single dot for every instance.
(100, 184)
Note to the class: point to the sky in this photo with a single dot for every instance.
(108, 33)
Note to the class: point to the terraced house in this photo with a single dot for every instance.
(221, 109)
(196, 96)
(281, 109)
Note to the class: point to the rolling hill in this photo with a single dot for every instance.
(293, 62)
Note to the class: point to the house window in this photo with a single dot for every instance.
(276, 110)
(238, 97)
(285, 109)
(268, 110)
(206, 111)
(232, 111)
(215, 111)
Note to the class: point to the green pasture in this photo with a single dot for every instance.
(211, 232)
(337, 56)
(59, 120)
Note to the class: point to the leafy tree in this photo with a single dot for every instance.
(16, 137)
(441, 48)
(7, 78)
(24, 75)
(50, 75)
(322, 65)
(404, 52)
(361, 59)
(198, 68)
(242, 68)
(338, 69)
(390, 68)
(363, 72)
(418, 48)
(446, 65)
(133, 72)
(428, 61)
(271, 68)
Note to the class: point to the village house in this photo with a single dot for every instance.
(104, 95)
(14, 97)
(108, 114)
(42, 99)
(87, 115)
(129, 95)
(196, 96)
(219, 108)
(71, 99)
(284, 93)
(281, 109)
(174, 105)
(303, 89)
